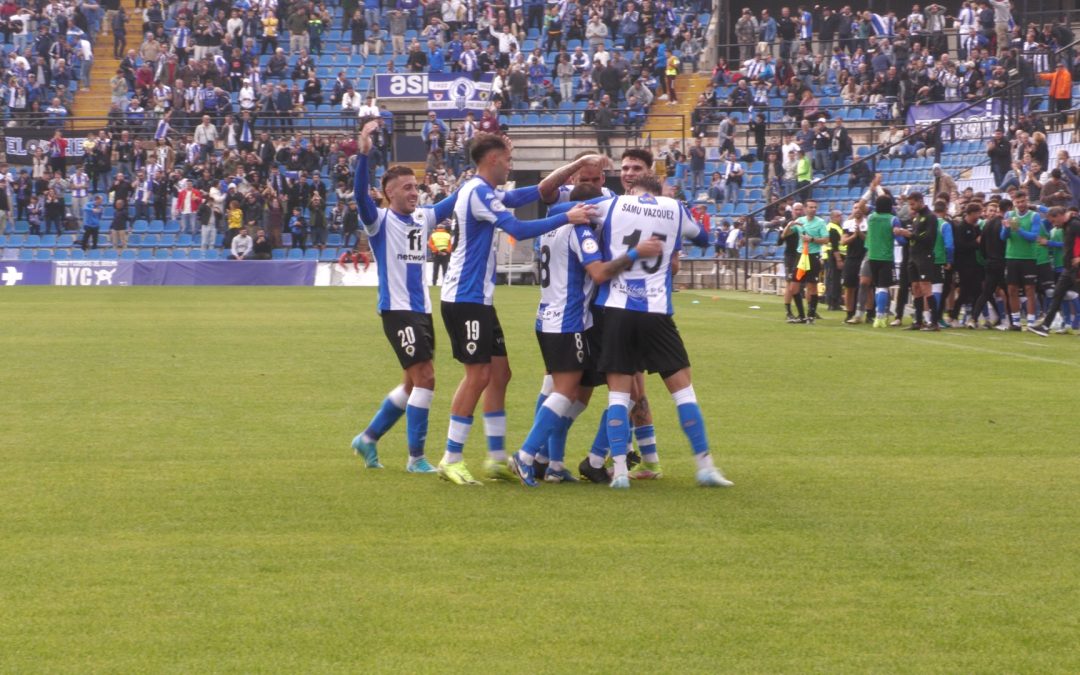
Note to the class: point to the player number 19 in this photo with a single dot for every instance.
(472, 330)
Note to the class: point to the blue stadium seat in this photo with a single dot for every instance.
(14, 241)
(172, 227)
(328, 255)
(279, 254)
(26, 254)
(148, 241)
(43, 254)
(179, 254)
(156, 226)
(140, 226)
(296, 254)
(333, 239)
(195, 254)
(161, 254)
(48, 240)
(145, 254)
(109, 254)
(32, 241)
(311, 254)
(21, 227)
(64, 253)
(79, 254)
(185, 240)
(65, 240)
(168, 240)
(128, 254)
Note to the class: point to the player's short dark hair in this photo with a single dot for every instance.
(650, 183)
(583, 191)
(918, 196)
(973, 208)
(396, 171)
(884, 204)
(482, 144)
(639, 153)
(1020, 193)
(1057, 211)
(940, 206)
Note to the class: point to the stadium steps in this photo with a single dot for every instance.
(661, 124)
(96, 102)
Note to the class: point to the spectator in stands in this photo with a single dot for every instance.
(697, 166)
(716, 188)
(998, 152)
(804, 176)
(118, 228)
(1060, 89)
(860, 175)
(91, 221)
(54, 211)
(605, 125)
(732, 172)
(298, 226)
(240, 248)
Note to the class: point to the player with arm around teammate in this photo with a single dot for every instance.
(398, 235)
(638, 326)
(468, 312)
(563, 325)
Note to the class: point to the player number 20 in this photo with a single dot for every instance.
(472, 330)
(407, 336)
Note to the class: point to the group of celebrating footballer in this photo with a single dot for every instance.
(604, 317)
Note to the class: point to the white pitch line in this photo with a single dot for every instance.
(895, 334)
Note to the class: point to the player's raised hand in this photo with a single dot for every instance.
(365, 136)
(581, 214)
(650, 248)
(603, 162)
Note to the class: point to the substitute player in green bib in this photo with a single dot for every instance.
(880, 237)
(1020, 233)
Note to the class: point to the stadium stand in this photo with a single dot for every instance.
(649, 73)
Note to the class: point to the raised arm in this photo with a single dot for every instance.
(369, 213)
(549, 187)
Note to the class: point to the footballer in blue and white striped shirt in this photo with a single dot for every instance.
(468, 293)
(397, 235)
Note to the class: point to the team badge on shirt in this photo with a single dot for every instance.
(589, 246)
(496, 206)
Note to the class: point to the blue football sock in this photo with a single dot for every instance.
(556, 444)
(391, 410)
(618, 424)
(646, 441)
(495, 430)
(416, 420)
(691, 420)
(881, 301)
(547, 420)
(1075, 313)
(600, 441)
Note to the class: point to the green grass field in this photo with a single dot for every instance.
(179, 496)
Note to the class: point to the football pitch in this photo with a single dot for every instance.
(179, 496)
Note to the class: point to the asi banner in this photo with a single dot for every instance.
(21, 143)
(401, 85)
(453, 95)
(978, 123)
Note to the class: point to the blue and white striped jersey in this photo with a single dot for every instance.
(625, 221)
(566, 289)
(398, 243)
(480, 208)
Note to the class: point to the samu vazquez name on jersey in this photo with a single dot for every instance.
(665, 214)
